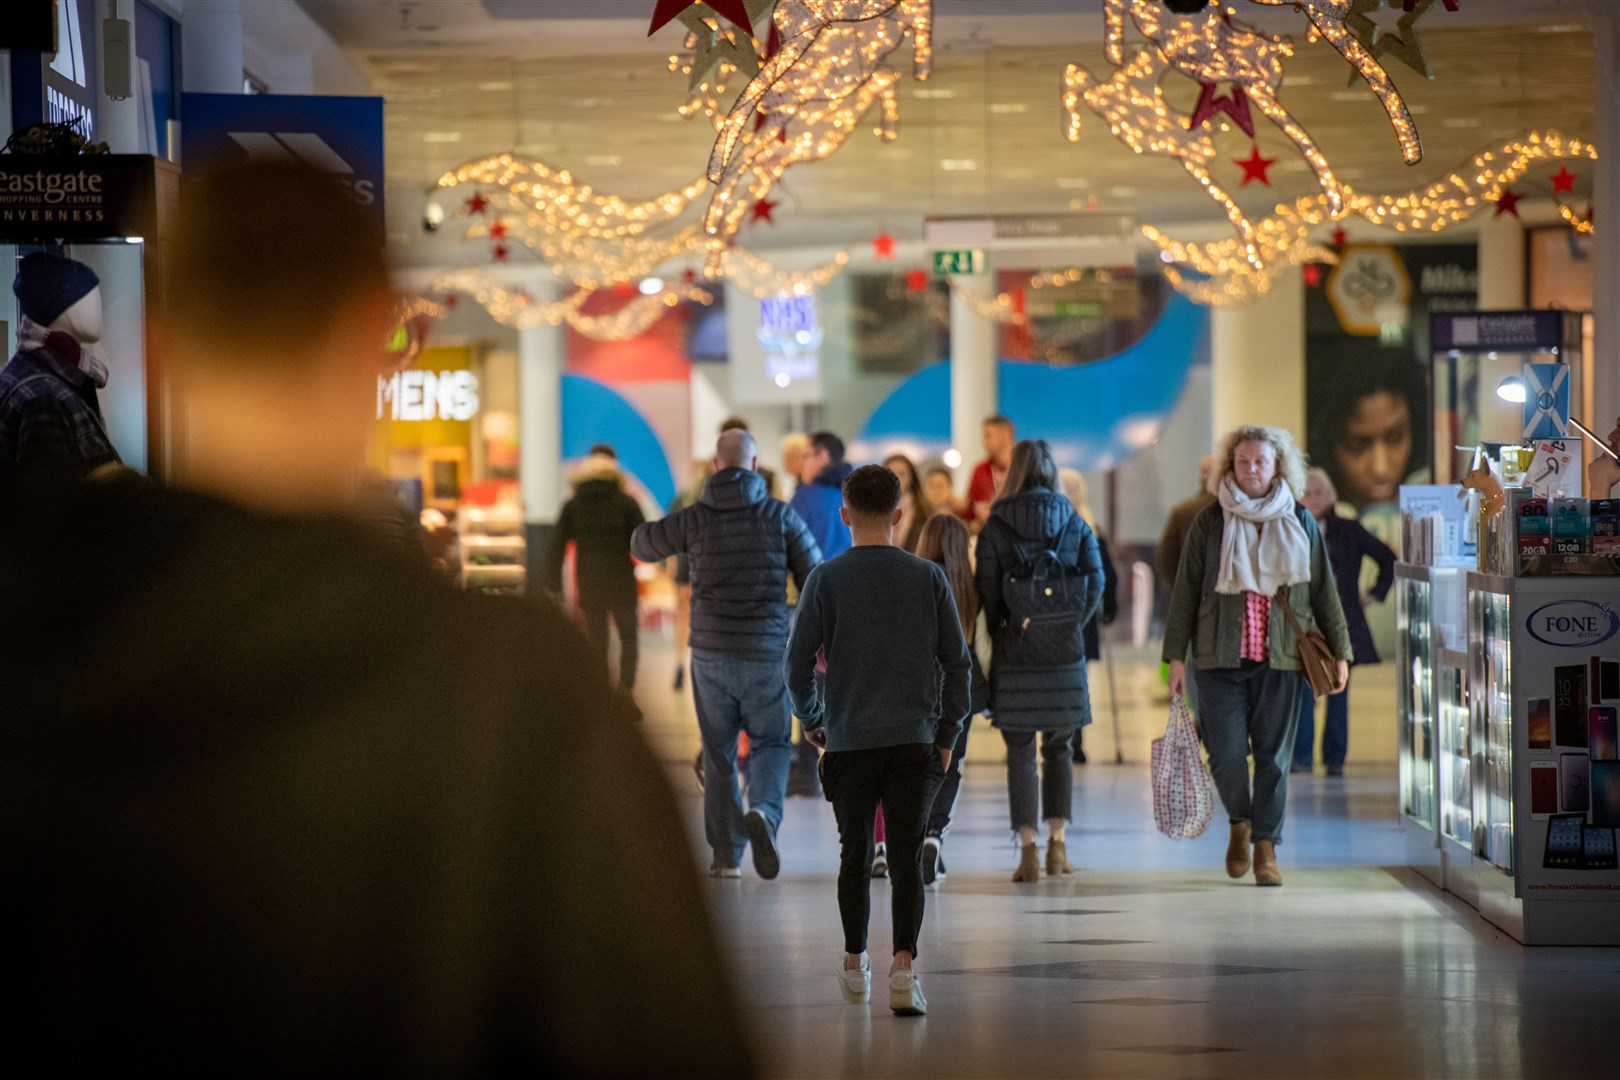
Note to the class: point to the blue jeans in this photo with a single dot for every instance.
(1335, 729)
(734, 696)
(1251, 708)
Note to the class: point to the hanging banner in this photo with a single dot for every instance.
(1546, 401)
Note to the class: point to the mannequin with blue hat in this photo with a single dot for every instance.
(50, 413)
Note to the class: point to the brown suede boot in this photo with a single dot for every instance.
(1029, 864)
(1265, 863)
(1057, 859)
(1237, 850)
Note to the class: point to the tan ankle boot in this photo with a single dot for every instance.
(1057, 859)
(1029, 864)
(1265, 863)
(1237, 850)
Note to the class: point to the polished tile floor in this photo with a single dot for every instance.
(1149, 962)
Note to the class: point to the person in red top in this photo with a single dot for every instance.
(991, 473)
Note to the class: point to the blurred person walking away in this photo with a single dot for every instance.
(889, 713)
(1252, 550)
(819, 500)
(599, 520)
(1074, 487)
(737, 423)
(274, 799)
(989, 475)
(914, 507)
(1172, 542)
(1348, 544)
(1040, 580)
(743, 547)
(945, 541)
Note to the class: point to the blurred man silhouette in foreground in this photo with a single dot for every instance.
(272, 799)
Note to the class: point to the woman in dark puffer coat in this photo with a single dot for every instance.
(1030, 690)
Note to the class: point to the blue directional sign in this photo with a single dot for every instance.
(339, 135)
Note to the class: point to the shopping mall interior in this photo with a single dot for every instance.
(1365, 231)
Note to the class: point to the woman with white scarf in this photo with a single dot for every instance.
(1254, 547)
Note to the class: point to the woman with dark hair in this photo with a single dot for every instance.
(1038, 672)
(914, 508)
(1369, 428)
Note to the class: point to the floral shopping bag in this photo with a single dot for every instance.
(1183, 793)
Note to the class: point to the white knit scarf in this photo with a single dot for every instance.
(1261, 560)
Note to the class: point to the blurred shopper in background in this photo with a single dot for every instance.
(701, 471)
(819, 496)
(1038, 672)
(889, 712)
(737, 423)
(598, 520)
(793, 450)
(1074, 487)
(914, 508)
(940, 488)
(743, 546)
(1179, 524)
(985, 486)
(945, 541)
(273, 799)
(1348, 545)
(1252, 550)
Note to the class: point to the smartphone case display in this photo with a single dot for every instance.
(1415, 655)
(493, 549)
(1545, 694)
(1456, 770)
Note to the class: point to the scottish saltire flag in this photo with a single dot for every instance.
(1546, 401)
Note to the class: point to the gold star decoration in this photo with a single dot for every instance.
(1404, 42)
(717, 42)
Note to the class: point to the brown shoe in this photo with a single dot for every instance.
(1237, 850)
(1057, 859)
(1265, 863)
(1029, 864)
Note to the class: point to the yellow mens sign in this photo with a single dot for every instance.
(1369, 289)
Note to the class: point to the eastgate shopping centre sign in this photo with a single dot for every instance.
(93, 196)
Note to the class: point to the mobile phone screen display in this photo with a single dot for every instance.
(1610, 690)
(1540, 723)
(1569, 705)
(1564, 841)
(1574, 783)
(1602, 727)
(1597, 848)
(1605, 793)
(1544, 788)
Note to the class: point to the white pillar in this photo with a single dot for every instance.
(1257, 360)
(118, 122)
(974, 393)
(1501, 264)
(541, 356)
(1603, 405)
(211, 33)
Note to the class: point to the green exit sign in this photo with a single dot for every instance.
(1079, 309)
(965, 261)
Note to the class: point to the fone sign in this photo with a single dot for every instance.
(1573, 624)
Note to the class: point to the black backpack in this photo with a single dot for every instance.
(1047, 604)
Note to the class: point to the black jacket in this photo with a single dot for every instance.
(1109, 611)
(274, 801)
(742, 544)
(598, 521)
(1025, 697)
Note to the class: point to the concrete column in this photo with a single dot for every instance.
(1501, 264)
(211, 38)
(1603, 403)
(541, 356)
(1258, 360)
(974, 393)
(118, 122)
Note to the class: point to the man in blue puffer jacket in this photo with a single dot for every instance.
(820, 494)
(742, 545)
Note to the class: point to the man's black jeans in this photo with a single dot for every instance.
(905, 780)
(629, 628)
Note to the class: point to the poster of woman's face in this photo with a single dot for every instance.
(1368, 430)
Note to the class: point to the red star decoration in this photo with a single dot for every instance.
(917, 280)
(763, 209)
(1507, 203)
(690, 275)
(451, 300)
(477, 204)
(1340, 237)
(623, 289)
(883, 246)
(1254, 167)
(1209, 106)
(498, 230)
(1313, 275)
(667, 10)
(1563, 180)
(501, 252)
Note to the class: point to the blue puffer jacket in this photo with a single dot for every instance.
(1025, 697)
(742, 545)
(818, 503)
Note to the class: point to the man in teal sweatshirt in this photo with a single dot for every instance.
(895, 699)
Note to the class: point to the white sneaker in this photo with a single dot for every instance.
(857, 984)
(905, 994)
